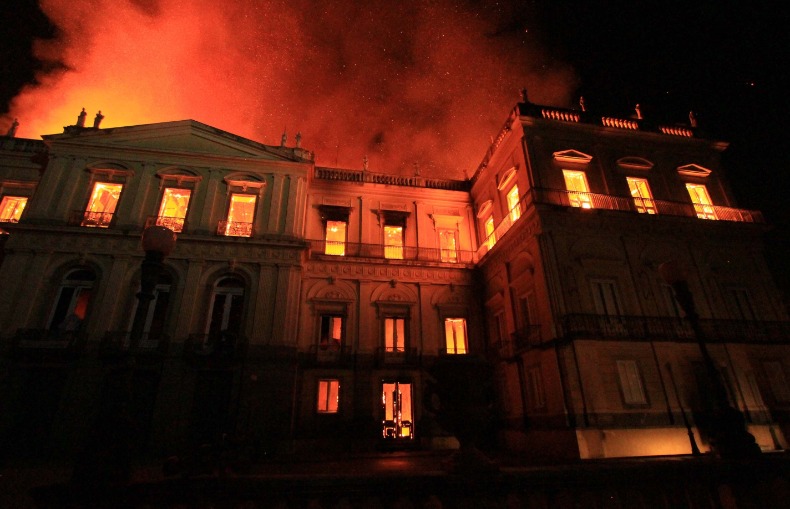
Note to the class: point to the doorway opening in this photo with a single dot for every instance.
(398, 423)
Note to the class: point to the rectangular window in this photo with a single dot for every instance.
(447, 245)
(605, 298)
(526, 309)
(330, 335)
(489, 229)
(578, 191)
(703, 206)
(101, 205)
(240, 215)
(777, 380)
(535, 395)
(173, 209)
(11, 208)
(328, 396)
(395, 334)
(631, 383)
(513, 204)
(393, 242)
(335, 238)
(640, 193)
(455, 335)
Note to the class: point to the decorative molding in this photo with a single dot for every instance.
(693, 170)
(572, 156)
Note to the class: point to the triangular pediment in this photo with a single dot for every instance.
(184, 137)
(572, 156)
(693, 170)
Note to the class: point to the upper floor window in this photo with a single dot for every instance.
(394, 334)
(11, 208)
(226, 307)
(101, 205)
(703, 206)
(241, 212)
(640, 193)
(72, 301)
(488, 226)
(578, 191)
(173, 209)
(328, 396)
(448, 245)
(455, 335)
(513, 203)
(336, 238)
(393, 242)
(330, 335)
(605, 298)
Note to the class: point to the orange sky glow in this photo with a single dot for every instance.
(401, 82)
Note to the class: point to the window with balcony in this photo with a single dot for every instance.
(631, 386)
(394, 334)
(226, 309)
(640, 193)
(330, 334)
(173, 209)
(488, 226)
(578, 191)
(455, 336)
(448, 242)
(328, 396)
(703, 206)
(513, 205)
(101, 205)
(241, 213)
(393, 242)
(11, 208)
(72, 301)
(335, 238)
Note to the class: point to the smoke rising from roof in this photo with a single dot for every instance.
(406, 82)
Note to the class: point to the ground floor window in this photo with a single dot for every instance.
(396, 398)
(328, 396)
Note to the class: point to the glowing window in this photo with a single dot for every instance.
(447, 245)
(394, 334)
(72, 301)
(640, 193)
(579, 192)
(703, 206)
(11, 208)
(489, 229)
(455, 335)
(101, 205)
(330, 336)
(173, 210)
(513, 203)
(240, 215)
(328, 396)
(393, 242)
(398, 419)
(335, 238)
(631, 383)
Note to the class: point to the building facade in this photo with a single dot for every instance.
(307, 307)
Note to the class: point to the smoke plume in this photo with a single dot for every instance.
(405, 83)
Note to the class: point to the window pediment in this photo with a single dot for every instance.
(693, 170)
(485, 208)
(572, 157)
(634, 163)
(334, 212)
(507, 179)
(244, 183)
(179, 178)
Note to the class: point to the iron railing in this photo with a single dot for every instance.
(120, 342)
(331, 354)
(91, 219)
(177, 224)
(390, 180)
(397, 355)
(223, 344)
(234, 229)
(359, 250)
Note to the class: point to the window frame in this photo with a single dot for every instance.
(578, 198)
(232, 291)
(394, 349)
(88, 213)
(643, 204)
(465, 338)
(633, 392)
(79, 285)
(327, 408)
(448, 255)
(702, 202)
(17, 215)
(175, 223)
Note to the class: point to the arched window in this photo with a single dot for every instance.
(72, 301)
(227, 307)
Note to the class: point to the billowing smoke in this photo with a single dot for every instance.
(404, 82)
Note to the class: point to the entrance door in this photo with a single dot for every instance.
(398, 415)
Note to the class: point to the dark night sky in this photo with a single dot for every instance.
(722, 59)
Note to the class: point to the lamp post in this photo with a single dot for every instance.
(729, 437)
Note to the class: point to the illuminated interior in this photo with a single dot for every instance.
(11, 208)
(455, 335)
(173, 210)
(328, 396)
(489, 228)
(640, 192)
(703, 206)
(101, 205)
(393, 242)
(240, 215)
(335, 238)
(395, 334)
(398, 418)
(71, 305)
(576, 183)
(331, 333)
(447, 246)
(512, 204)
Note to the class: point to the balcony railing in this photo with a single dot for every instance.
(358, 250)
(671, 329)
(234, 229)
(44, 345)
(118, 342)
(91, 219)
(390, 180)
(177, 224)
(400, 356)
(331, 354)
(589, 201)
(221, 345)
